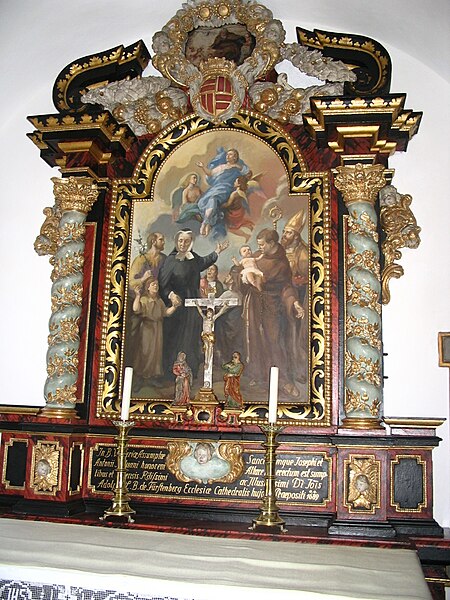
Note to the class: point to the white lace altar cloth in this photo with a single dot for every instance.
(53, 561)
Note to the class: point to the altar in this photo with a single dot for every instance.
(71, 561)
(214, 224)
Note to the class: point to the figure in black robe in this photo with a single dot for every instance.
(180, 274)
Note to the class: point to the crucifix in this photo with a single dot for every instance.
(207, 310)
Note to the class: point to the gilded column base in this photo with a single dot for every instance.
(51, 412)
(361, 423)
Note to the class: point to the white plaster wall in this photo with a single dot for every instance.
(38, 39)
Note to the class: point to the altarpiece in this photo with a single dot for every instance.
(208, 223)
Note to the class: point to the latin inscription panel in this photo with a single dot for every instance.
(301, 477)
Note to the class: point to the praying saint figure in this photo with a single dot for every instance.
(232, 377)
(183, 380)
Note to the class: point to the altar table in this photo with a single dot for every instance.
(77, 562)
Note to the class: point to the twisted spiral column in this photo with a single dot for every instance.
(62, 236)
(363, 402)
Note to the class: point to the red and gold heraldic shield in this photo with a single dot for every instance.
(216, 95)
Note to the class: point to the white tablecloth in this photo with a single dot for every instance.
(167, 565)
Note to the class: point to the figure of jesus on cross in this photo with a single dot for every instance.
(209, 317)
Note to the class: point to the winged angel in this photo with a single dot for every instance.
(149, 104)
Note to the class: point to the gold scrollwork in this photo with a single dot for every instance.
(362, 484)
(169, 44)
(48, 240)
(402, 231)
(45, 467)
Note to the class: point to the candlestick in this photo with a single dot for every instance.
(126, 394)
(268, 516)
(273, 394)
(120, 506)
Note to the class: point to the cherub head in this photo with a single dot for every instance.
(203, 452)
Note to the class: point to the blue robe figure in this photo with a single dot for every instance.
(221, 174)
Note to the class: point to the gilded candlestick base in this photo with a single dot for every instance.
(269, 512)
(120, 502)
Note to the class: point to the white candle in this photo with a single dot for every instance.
(273, 394)
(126, 394)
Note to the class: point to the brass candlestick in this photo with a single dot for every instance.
(268, 516)
(120, 506)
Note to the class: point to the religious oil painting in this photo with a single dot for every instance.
(218, 271)
(232, 42)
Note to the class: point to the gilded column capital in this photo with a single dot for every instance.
(75, 193)
(359, 183)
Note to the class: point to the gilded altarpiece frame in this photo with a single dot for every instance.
(303, 191)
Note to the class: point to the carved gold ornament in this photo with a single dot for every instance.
(63, 396)
(362, 478)
(75, 193)
(196, 60)
(362, 368)
(66, 363)
(402, 231)
(201, 455)
(361, 294)
(363, 328)
(67, 295)
(65, 331)
(360, 401)
(45, 467)
(359, 183)
(48, 239)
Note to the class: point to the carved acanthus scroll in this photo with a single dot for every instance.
(402, 231)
